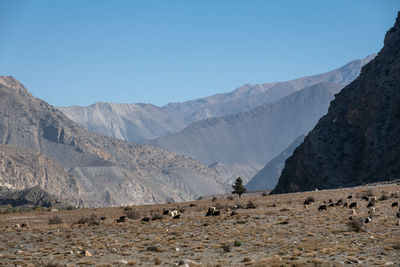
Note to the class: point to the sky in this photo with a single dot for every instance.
(81, 52)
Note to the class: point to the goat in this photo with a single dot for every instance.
(173, 213)
(349, 197)
(367, 220)
(353, 205)
(371, 210)
(322, 207)
(370, 204)
(146, 219)
(211, 211)
(121, 219)
(395, 204)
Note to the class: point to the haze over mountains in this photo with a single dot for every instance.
(358, 140)
(252, 138)
(88, 168)
(139, 122)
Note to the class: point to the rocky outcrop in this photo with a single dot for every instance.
(250, 96)
(110, 171)
(267, 177)
(22, 169)
(34, 196)
(250, 139)
(130, 122)
(358, 140)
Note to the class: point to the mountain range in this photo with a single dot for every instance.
(140, 122)
(86, 168)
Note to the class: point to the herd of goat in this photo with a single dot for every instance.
(347, 203)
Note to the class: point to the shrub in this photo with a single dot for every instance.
(226, 248)
(55, 220)
(127, 209)
(156, 216)
(384, 196)
(357, 224)
(69, 207)
(310, 199)
(251, 205)
(230, 198)
(132, 214)
(264, 194)
(92, 220)
(213, 199)
(237, 243)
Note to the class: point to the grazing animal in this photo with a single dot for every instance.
(192, 205)
(345, 204)
(233, 213)
(173, 213)
(370, 204)
(339, 201)
(337, 204)
(395, 204)
(322, 207)
(306, 202)
(103, 218)
(330, 201)
(216, 213)
(365, 198)
(211, 211)
(353, 205)
(24, 225)
(349, 197)
(371, 210)
(398, 215)
(367, 220)
(146, 219)
(331, 205)
(305, 206)
(165, 212)
(353, 212)
(121, 219)
(373, 199)
(176, 216)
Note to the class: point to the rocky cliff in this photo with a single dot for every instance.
(358, 140)
(109, 171)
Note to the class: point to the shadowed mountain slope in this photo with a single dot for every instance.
(358, 140)
(267, 177)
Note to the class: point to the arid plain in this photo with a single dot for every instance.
(264, 230)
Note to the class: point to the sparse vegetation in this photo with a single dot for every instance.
(274, 233)
(250, 205)
(55, 220)
(132, 214)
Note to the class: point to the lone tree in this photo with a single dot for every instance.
(238, 187)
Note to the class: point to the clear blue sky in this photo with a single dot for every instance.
(82, 52)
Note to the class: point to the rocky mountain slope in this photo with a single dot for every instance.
(358, 140)
(267, 177)
(250, 96)
(34, 196)
(22, 169)
(130, 122)
(252, 138)
(109, 171)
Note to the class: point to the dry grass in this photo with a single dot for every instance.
(277, 231)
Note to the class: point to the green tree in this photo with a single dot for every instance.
(238, 187)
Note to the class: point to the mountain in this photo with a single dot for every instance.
(254, 137)
(358, 140)
(107, 171)
(250, 96)
(139, 122)
(267, 177)
(130, 122)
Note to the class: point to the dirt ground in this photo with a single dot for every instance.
(279, 231)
